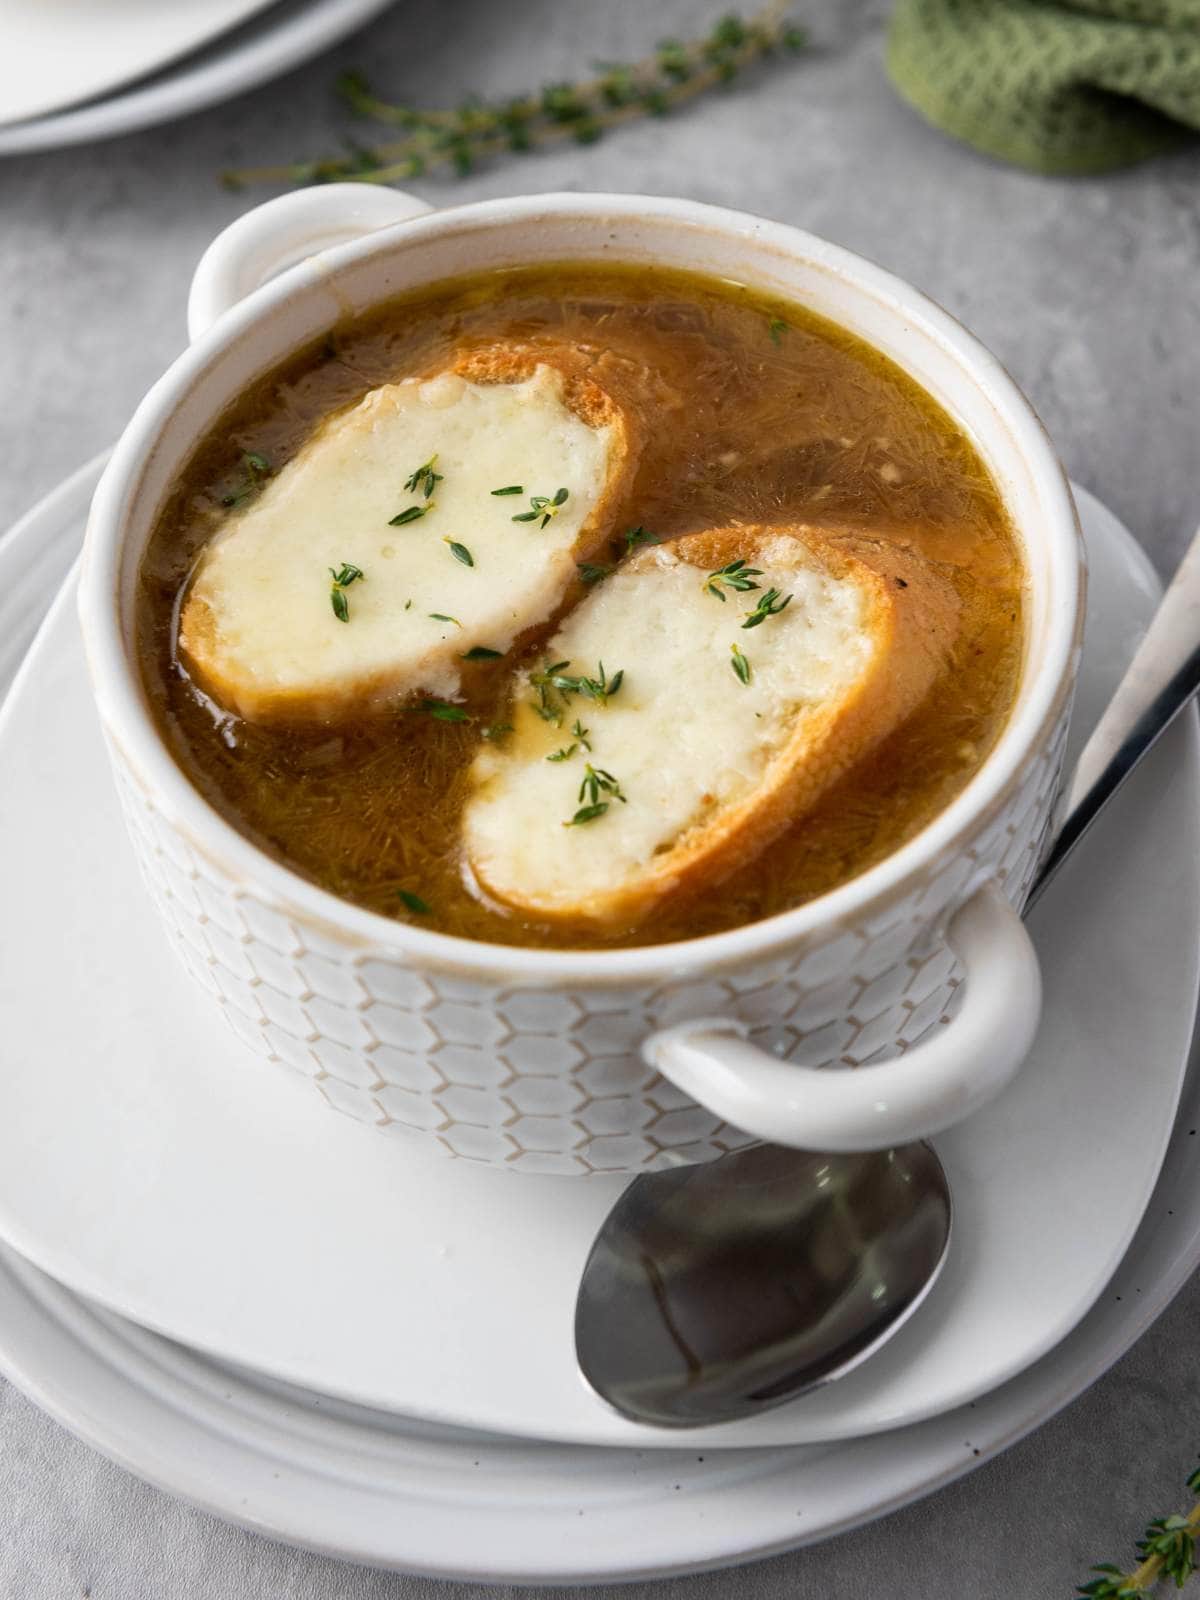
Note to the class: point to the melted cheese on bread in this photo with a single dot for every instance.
(258, 628)
(713, 753)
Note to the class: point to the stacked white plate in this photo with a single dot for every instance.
(79, 70)
(366, 1348)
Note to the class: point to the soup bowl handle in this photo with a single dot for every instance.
(934, 1084)
(283, 232)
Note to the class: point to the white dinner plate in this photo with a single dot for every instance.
(287, 33)
(136, 1166)
(55, 53)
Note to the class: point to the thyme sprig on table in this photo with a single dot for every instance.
(1167, 1550)
(459, 138)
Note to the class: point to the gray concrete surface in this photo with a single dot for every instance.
(1087, 290)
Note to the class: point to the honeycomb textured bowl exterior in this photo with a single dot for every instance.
(550, 1079)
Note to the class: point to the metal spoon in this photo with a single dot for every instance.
(714, 1292)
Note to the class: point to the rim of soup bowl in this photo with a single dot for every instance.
(124, 710)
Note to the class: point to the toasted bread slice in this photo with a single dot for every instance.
(718, 735)
(260, 627)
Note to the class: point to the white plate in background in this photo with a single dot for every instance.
(55, 53)
(266, 46)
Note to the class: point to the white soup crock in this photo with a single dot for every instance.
(915, 982)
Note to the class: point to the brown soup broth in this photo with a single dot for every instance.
(754, 411)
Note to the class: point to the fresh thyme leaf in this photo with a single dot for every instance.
(581, 733)
(740, 665)
(460, 552)
(511, 488)
(1167, 1550)
(544, 506)
(343, 577)
(600, 688)
(597, 782)
(480, 652)
(639, 536)
(424, 480)
(564, 754)
(777, 327)
(255, 468)
(440, 616)
(736, 575)
(769, 605)
(590, 572)
(587, 814)
(414, 902)
(409, 514)
(497, 730)
(443, 711)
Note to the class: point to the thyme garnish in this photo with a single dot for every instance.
(737, 575)
(777, 327)
(564, 754)
(409, 514)
(544, 506)
(543, 682)
(587, 814)
(496, 731)
(512, 488)
(443, 711)
(769, 605)
(440, 616)
(343, 577)
(740, 665)
(424, 479)
(460, 552)
(597, 782)
(255, 469)
(639, 536)
(592, 572)
(479, 130)
(1167, 1549)
(601, 688)
(581, 733)
(551, 680)
(481, 652)
(414, 902)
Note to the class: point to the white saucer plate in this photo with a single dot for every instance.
(288, 33)
(397, 1493)
(137, 1168)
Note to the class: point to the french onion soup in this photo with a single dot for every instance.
(582, 606)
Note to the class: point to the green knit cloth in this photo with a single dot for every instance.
(1063, 86)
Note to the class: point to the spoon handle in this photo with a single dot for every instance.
(1161, 679)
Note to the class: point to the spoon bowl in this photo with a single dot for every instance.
(718, 1291)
